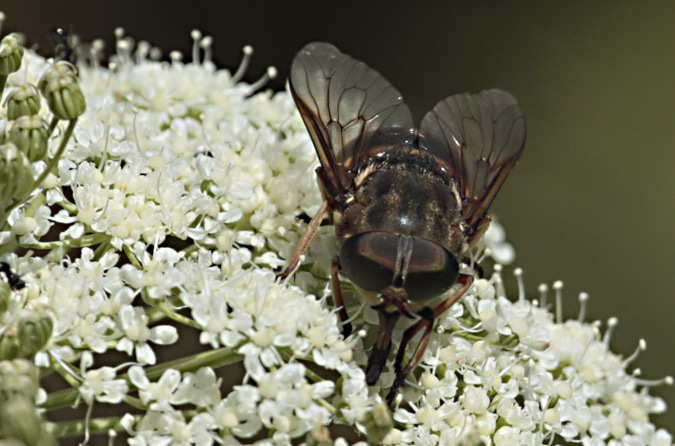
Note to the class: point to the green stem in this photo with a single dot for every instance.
(102, 249)
(313, 376)
(166, 309)
(132, 257)
(74, 428)
(70, 207)
(82, 242)
(332, 409)
(469, 336)
(102, 425)
(62, 148)
(66, 375)
(35, 204)
(190, 249)
(134, 402)
(3, 79)
(52, 125)
(214, 359)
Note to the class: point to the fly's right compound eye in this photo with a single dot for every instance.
(369, 258)
(432, 271)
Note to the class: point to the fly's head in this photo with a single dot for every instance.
(402, 272)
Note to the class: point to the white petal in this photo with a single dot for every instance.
(170, 379)
(323, 389)
(163, 334)
(125, 345)
(137, 377)
(254, 367)
(145, 354)
(127, 422)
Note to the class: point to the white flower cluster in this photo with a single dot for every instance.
(506, 371)
(181, 192)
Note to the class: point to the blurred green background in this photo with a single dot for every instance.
(592, 200)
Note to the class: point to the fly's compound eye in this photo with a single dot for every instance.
(369, 258)
(432, 270)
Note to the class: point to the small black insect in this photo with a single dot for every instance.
(407, 204)
(12, 278)
(63, 48)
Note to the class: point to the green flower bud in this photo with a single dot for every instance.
(9, 343)
(378, 423)
(60, 87)
(17, 179)
(25, 338)
(11, 53)
(19, 420)
(5, 291)
(23, 100)
(29, 134)
(19, 376)
(33, 335)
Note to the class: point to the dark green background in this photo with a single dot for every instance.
(591, 202)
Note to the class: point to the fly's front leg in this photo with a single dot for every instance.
(427, 322)
(305, 241)
(380, 353)
(337, 297)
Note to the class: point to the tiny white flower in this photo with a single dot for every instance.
(100, 384)
(133, 323)
(160, 393)
(200, 389)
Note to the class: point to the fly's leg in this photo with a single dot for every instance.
(378, 356)
(427, 322)
(337, 297)
(305, 241)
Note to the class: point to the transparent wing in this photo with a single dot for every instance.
(352, 113)
(478, 139)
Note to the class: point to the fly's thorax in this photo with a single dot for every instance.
(404, 198)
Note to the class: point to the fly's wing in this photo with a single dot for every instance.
(351, 112)
(477, 139)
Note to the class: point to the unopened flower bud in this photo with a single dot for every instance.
(25, 338)
(23, 100)
(378, 423)
(11, 53)
(34, 333)
(9, 343)
(19, 376)
(29, 134)
(19, 419)
(17, 178)
(5, 291)
(60, 87)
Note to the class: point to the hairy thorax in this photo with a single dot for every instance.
(404, 198)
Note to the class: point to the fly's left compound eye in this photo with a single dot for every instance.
(432, 270)
(368, 259)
